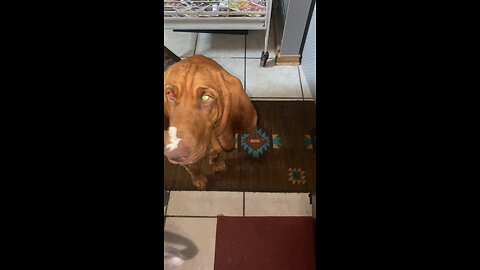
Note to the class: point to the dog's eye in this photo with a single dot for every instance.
(170, 93)
(206, 98)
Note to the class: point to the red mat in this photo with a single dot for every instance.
(264, 243)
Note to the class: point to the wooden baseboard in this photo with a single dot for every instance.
(288, 60)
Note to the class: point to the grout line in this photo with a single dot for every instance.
(245, 44)
(195, 47)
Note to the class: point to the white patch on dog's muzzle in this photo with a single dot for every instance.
(174, 140)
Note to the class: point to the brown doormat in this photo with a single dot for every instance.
(265, 243)
(278, 157)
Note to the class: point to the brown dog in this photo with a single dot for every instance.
(204, 106)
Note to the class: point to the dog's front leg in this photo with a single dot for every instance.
(214, 159)
(198, 178)
(217, 163)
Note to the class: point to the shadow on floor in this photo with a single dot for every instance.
(190, 249)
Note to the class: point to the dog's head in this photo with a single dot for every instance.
(202, 100)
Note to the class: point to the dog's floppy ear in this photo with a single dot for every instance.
(238, 113)
(166, 114)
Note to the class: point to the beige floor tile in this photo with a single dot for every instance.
(272, 81)
(307, 93)
(277, 204)
(194, 238)
(180, 43)
(256, 44)
(234, 66)
(205, 203)
(221, 45)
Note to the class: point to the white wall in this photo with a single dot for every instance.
(309, 56)
(294, 28)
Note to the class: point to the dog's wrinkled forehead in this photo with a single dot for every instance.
(189, 73)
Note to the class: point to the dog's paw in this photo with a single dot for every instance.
(200, 183)
(219, 167)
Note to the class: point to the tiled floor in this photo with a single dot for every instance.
(240, 55)
(190, 216)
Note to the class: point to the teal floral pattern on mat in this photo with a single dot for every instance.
(255, 143)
